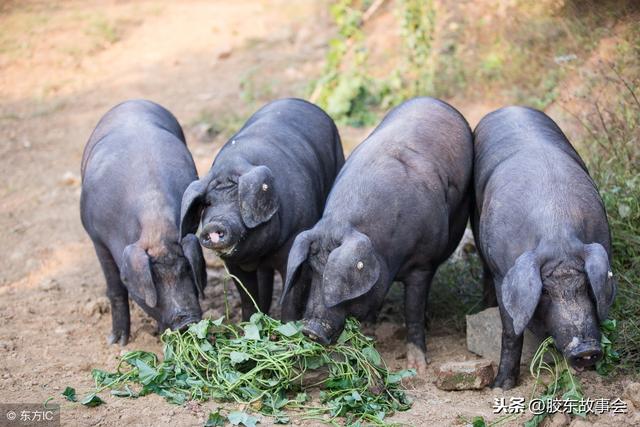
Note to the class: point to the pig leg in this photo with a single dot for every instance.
(489, 290)
(416, 289)
(265, 289)
(510, 354)
(249, 280)
(294, 303)
(118, 296)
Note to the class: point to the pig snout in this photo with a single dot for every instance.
(181, 321)
(583, 354)
(319, 330)
(218, 235)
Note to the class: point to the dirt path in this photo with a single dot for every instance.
(61, 68)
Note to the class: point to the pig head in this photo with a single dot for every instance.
(566, 295)
(232, 201)
(343, 274)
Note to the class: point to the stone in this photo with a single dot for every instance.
(70, 179)
(631, 394)
(484, 336)
(466, 375)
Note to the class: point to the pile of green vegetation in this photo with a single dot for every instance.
(266, 365)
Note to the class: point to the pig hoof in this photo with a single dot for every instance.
(121, 338)
(505, 383)
(416, 359)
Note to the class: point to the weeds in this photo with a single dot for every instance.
(614, 142)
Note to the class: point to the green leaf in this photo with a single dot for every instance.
(70, 394)
(103, 378)
(396, 377)
(372, 355)
(238, 417)
(218, 321)
(146, 374)
(200, 329)
(288, 329)
(256, 317)
(205, 346)
(238, 357)
(92, 400)
(215, 419)
(281, 418)
(251, 331)
(478, 422)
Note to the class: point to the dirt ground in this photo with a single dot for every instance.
(61, 67)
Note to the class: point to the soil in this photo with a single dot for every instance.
(61, 67)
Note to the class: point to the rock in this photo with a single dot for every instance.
(70, 179)
(225, 52)
(98, 306)
(484, 336)
(467, 375)
(556, 420)
(631, 394)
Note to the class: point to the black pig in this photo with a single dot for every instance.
(397, 210)
(268, 183)
(542, 232)
(135, 169)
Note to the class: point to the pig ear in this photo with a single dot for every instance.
(297, 255)
(258, 200)
(136, 274)
(192, 205)
(596, 265)
(193, 253)
(352, 270)
(521, 289)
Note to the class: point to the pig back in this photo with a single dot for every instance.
(531, 185)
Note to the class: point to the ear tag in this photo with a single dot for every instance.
(360, 265)
(265, 187)
(609, 274)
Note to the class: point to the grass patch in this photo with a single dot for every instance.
(456, 291)
(615, 162)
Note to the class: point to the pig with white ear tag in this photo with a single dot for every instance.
(135, 168)
(268, 183)
(542, 232)
(397, 210)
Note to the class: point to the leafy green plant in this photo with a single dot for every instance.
(347, 90)
(610, 357)
(562, 382)
(262, 363)
(265, 364)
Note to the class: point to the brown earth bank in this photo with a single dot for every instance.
(62, 65)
